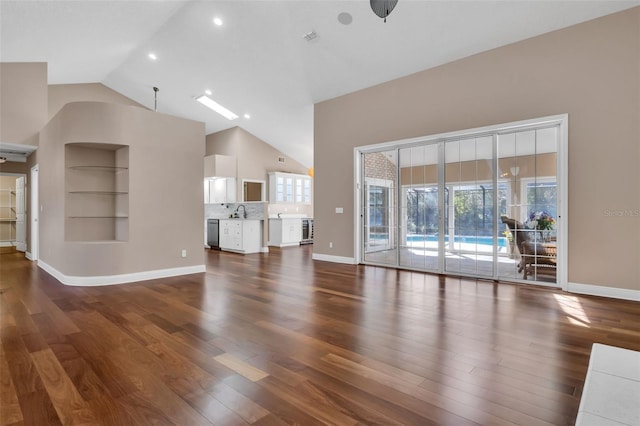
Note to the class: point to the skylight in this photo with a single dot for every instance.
(210, 103)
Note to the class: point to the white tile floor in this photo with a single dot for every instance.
(611, 394)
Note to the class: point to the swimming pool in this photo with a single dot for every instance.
(486, 241)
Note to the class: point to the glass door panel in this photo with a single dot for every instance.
(527, 164)
(380, 171)
(469, 242)
(419, 216)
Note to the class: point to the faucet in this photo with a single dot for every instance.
(244, 211)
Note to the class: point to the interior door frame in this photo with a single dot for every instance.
(561, 121)
(34, 214)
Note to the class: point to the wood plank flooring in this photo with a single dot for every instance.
(276, 339)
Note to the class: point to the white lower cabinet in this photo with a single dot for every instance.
(285, 232)
(240, 235)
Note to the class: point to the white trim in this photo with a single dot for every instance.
(27, 254)
(562, 220)
(334, 259)
(264, 250)
(357, 205)
(263, 194)
(597, 290)
(6, 244)
(121, 278)
(294, 244)
(34, 213)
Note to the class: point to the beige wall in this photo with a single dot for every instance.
(165, 212)
(590, 71)
(23, 101)
(55, 97)
(256, 158)
(62, 94)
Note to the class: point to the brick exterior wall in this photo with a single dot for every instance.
(377, 165)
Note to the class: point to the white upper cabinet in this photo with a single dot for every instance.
(219, 190)
(289, 188)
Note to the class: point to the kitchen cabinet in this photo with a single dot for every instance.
(286, 188)
(219, 190)
(285, 232)
(240, 235)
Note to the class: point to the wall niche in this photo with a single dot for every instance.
(96, 192)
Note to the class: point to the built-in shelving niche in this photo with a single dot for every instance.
(96, 192)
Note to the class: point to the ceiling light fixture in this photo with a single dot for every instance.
(210, 103)
(155, 98)
(217, 21)
(383, 8)
(247, 116)
(152, 56)
(345, 18)
(208, 92)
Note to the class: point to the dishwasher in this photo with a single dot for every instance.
(213, 233)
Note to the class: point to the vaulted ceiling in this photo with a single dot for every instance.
(258, 61)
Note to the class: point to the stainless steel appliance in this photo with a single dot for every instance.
(307, 231)
(213, 233)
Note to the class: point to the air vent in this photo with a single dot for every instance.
(310, 36)
(280, 159)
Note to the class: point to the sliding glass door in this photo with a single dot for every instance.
(420, 212)
(379, 198)
(483, 205)
(469, 181)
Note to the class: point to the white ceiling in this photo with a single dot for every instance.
(258, 61)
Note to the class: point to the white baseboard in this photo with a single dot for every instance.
(334, 259)
(27, 254)
(6, 244)
(121, 278)
(264, 250)
(597, 290)
(296, 244)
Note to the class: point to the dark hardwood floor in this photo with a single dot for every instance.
(280, 339)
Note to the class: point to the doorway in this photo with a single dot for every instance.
(442, 203)
(13, 226)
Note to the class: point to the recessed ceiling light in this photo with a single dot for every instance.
(210, 103)
(217, 21)
(152, 56)
(247, 116)
(208, 92)
(345, 18)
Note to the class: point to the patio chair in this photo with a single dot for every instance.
(535, 258)
(538, 258)
(519, 232)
